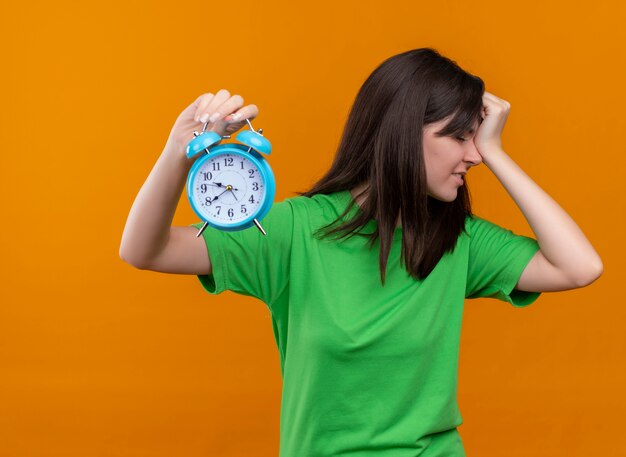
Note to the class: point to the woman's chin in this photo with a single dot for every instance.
(448, 197)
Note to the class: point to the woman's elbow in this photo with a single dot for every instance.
(592, 276)
(131, 261)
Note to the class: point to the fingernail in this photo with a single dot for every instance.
(214, 117)
(235, 116)
(204, 117)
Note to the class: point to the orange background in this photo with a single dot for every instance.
(98, 358)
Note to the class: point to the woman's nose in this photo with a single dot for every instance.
(472, 155)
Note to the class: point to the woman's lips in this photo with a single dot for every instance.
(459, 178)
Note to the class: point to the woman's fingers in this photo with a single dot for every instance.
(491, 99)
(212, 112)
(203, 101)
(225, 109)
(224, 112)
(208, 103)
(247, 112)
(222, 106)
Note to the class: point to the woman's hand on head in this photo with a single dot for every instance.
(495, 112)
(224, 113)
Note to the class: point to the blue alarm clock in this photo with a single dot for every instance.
(232, 187)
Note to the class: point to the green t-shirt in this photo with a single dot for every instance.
(368, 371)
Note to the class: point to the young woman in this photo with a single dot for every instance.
(365, 274)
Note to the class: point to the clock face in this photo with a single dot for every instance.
(228, 188)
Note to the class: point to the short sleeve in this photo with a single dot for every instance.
(250, 263)
(497, 259)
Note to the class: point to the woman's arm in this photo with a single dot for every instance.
(147, 229)
(566, 257)
(148, 240)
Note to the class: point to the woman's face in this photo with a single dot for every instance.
(445, 156)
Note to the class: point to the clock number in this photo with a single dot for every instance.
(203, 188)
(251, 199)
(243, 209)
(216, 166)
(218, 210)
(207, 175)
(228, 161)
(251, 171)
(255, 186)
(242, 164)
(231, 213)
(208, 201)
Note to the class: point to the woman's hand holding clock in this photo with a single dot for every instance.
(224, 113)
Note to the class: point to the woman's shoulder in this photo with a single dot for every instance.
(478, 227)
(319, 202)
(319, 208)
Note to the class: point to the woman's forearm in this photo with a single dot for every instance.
(148, 225)
(561, 241)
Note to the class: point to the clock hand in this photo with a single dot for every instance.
(219, 185)
(228, 189)
(216, 197)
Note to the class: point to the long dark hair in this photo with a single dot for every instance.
(381, 146)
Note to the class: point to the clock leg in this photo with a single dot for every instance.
(258, 225)
(206, 224)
